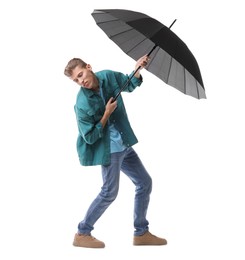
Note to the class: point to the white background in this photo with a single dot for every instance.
(193, 149)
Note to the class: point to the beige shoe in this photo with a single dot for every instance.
(87, 241)
(147, 239)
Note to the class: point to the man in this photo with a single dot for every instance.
(106, 138)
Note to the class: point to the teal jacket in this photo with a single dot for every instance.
(93, 142)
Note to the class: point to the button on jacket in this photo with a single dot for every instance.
(93, 142)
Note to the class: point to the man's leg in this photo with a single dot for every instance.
(134, 169)
(108, 193)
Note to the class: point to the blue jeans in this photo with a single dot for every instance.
(129, 163)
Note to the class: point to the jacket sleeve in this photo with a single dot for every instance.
(134, 82)
(89, 129)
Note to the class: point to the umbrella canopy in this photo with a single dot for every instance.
(138, 34)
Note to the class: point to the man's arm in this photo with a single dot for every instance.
(135, 77)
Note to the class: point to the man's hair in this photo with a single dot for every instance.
(72, 64)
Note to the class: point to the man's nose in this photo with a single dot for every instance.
(80, 81)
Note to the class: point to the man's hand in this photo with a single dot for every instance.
(142, 62)
(110, 106)
(109, 109)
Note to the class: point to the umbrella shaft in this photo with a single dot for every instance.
(152, 50)
(125, 85)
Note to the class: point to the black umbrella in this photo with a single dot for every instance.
(137, 34)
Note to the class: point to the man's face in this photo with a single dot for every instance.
(84, 77)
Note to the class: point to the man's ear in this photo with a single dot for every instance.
(89, 67)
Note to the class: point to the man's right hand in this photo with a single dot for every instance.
(109, 108)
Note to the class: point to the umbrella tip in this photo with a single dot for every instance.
(172, 23)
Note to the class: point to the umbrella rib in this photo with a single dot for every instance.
(114, 35)
(108, 21)
(111, 37)
(184, 79)
(136, 45)
(169, 68)
(198, 95)
(152, 58)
